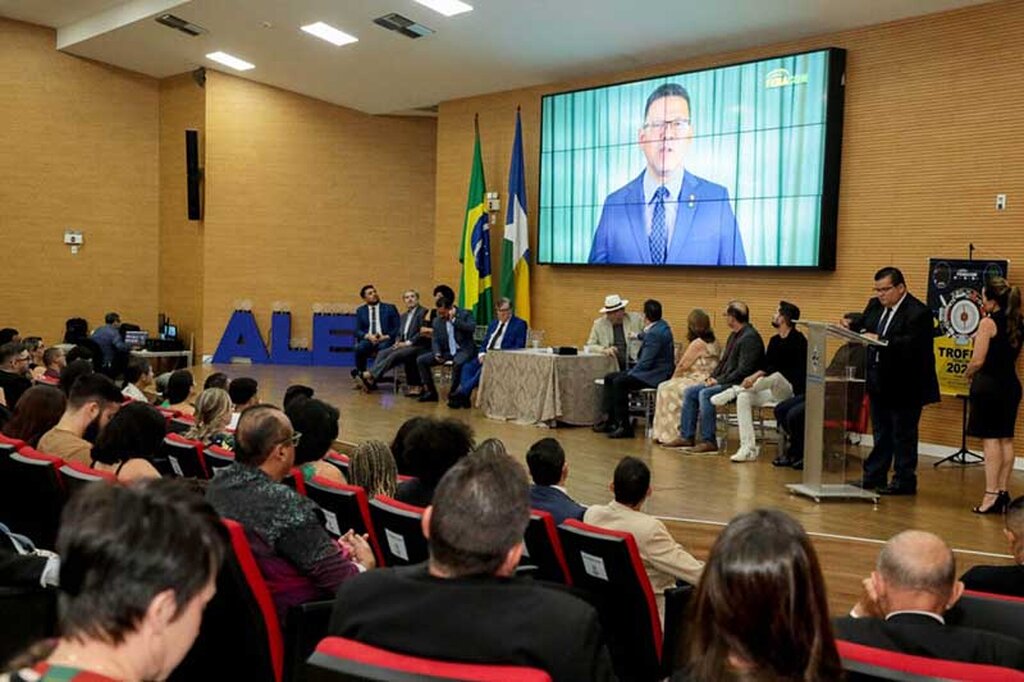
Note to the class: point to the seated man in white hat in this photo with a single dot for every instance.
(615, 332)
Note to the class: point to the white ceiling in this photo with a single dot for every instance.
(501, 45)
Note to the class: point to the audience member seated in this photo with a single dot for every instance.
(217, 380)
(492, 446)
(432, 448)
(464, 604)
(93, 402)
(615, 333)
(127, 446)
(72, 371)
(451, 341)
(34, 346)
(693, 367)
(372, 468)
(760, 610)
(664, 559)
(112, 346)
(179, 392)
(38, 411)
(546, 461)
(398, 444)
(317, 421)
(507, 332)
(1008, 580)
(743, 355)
(54, 360)
(138, 376)
(296, 556)
(15, 378)
(9, 335)
(294, 392)
(784, 374)
(212, 414)
(131, 599)
(913, 585)
(24, 566)
(244, 392)
(653, 365)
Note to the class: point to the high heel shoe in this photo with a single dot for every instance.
(998, 506)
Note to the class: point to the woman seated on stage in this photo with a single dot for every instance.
(213, 412)
(694, 366)
(372, 468)
(178, 391)
(128, 444)
(760, 610)
(317, 421)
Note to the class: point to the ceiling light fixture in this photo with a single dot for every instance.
(449, 8)
(230, 61)
(330, 34)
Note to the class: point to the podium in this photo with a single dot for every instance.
(835, 408)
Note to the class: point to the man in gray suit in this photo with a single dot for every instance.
(410, 341)
(452, 340)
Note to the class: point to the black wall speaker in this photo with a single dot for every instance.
(193, 175)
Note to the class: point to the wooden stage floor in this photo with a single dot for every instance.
(695, 494)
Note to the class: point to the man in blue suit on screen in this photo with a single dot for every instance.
(667, 215)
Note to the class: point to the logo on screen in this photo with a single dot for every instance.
(780, 78)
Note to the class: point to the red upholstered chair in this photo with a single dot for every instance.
(543, 552)
(984, 611)
(868, 663)
(339, 659)
(399, 531)
(180, 423)
(217, 458)
(296, 480)
(606, 563)
(13, 442)
(76, 476)
(47, 381)
(338, 460)
(182, 457)
(32, 495)
(343, 507)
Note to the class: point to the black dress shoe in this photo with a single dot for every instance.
(606, 426)
(428, 397)
(455, 402)
(867, 485)
(797, 464)
(896, 489)
(622, 432)
(354, 372)
(782, 461)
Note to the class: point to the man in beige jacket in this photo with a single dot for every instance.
(615, 332)
(664, 559)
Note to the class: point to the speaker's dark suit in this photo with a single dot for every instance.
(900, 380)
(479, 619)
(1006, 580)
(921, 635)
(555, 502)
(464, 326)
(388, 323)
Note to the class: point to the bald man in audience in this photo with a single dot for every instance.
(1008, 580)
(904, 604)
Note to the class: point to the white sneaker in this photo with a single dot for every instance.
(745, 455)
(724, 397)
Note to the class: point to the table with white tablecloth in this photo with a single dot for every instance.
(535, 386)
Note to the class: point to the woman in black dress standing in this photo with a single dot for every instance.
(995, 389)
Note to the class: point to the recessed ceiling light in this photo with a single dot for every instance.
(229, 60)
(448, 8)
(329, 33)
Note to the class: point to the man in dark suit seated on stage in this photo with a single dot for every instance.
(507, 332)
(464, 603)
(376, 327)
(452, 340)
(1007, 580)
(905, 598)
(410, 342)
(546, 461)
(654, 364)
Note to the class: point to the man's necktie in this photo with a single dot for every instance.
(884, 322)
(659, 236)
(497, 335)
(374, 326)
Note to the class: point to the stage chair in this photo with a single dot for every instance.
(543, 555)
(985, 611)
(640, 403)
(217, 458)
(32, 495)
(606, 563)
(337, 659)
(181, 457)
(399, 532)
(869, 663)
(77, 476)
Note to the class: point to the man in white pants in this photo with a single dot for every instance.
(784, 375)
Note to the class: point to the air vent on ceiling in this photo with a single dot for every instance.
(404, 25)
(180, 24)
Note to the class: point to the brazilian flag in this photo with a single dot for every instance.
(475, 250)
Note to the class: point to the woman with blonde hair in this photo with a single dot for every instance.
(213, 413)
(372, 467)
(995, 389)
(694, 366)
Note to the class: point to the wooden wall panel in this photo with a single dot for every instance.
(307, 201)
(932, 133)
(79, 151)
(182, 106)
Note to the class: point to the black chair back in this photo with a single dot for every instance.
(992, 612)
(217, 458)
(543, 550)
(180, 457)
(399, 531)
(76, 477)
(32, 495)
(343, 507)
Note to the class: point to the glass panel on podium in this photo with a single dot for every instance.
(835, 412)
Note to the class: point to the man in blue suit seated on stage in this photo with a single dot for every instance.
(376, 327)
(667, 215)
(654, 364)
(508, 332)
(453, 331)
(546, 461)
